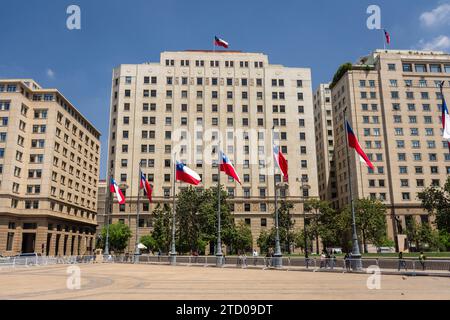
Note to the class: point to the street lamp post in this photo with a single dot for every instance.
(304, 186)
(356, 255)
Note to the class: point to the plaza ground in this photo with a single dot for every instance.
(152, 282)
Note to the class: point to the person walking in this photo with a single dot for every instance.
(322, 259)
(255, 257)
(401, 261)
(422, 259)
(347, 262)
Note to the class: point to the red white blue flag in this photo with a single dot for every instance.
(227, 167)
(388, 36)
(281, 161)
(186, 174)
(353, 143)
(220, 42)
(146, 186)
(114, 188)
(445, 117)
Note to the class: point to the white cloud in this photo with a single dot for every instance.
(436, 17)
(51, 74)
(439, 43)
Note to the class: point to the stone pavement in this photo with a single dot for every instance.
(129, 281)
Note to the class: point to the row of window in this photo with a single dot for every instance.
(214, 108)
(421, 67)
(215, 63)
(51, 97)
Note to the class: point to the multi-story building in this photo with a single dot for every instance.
(101, 205)
(49, 168)
(323, 123)
(393, 103)
(183, 102)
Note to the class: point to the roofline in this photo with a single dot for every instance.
(40, 89)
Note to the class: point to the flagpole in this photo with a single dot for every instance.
(355, 250)
(107, 212)
(384, 39)
(136, 251)
(441, 86)
(173, 253)
(278, 262)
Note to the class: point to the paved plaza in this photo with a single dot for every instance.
(128, 281)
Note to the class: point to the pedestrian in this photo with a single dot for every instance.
(322, 259)
(401, 261)
(422, 259)
(347, 262)
(255, 257)
(333, 260)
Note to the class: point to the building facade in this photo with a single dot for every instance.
(323, 124)
(183, 102)
(393, 103)
(101, 205)
(49, 168)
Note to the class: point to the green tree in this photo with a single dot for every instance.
(242, 240)
(300, 239)
(119, 234)
(149, 242)
(370, 217)
(285, 225)
(266, 240)
(423, 236)
(188, 220)
(318, 208)
(436, 200)
(334, 228)
(208, 217)
(162, 228)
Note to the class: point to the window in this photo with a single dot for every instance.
(391, 66)
(420, 67)
(407, 67)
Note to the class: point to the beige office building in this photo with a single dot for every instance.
(101, 203)
(393, 104)
(181, 103)
(49, 168)
(323, 123)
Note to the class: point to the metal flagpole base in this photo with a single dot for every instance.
(277, 261)
(219, 260)
(173, 259)
(356, 262)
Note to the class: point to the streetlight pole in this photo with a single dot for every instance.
(136, 250)
(108, 210)
(173, 253)
(278, 261)
(356, 255)
(304, 220)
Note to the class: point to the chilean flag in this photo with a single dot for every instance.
(445, 117)
(227, 167)
(353, 143)
(388, 36)
(220, 42)
(147, 187)
(114, 188)
(281, 161)
(186, 174)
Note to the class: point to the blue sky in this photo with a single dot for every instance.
(318, 34)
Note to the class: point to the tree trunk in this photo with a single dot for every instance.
(364, 241)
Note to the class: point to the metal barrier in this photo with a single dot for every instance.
(412, 266)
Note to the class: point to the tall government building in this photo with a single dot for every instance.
(323, 123)
(182, 102)
(393, 104)
(49, 171)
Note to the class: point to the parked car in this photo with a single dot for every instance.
(28, 258)
(386, 249)
(335, 250)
